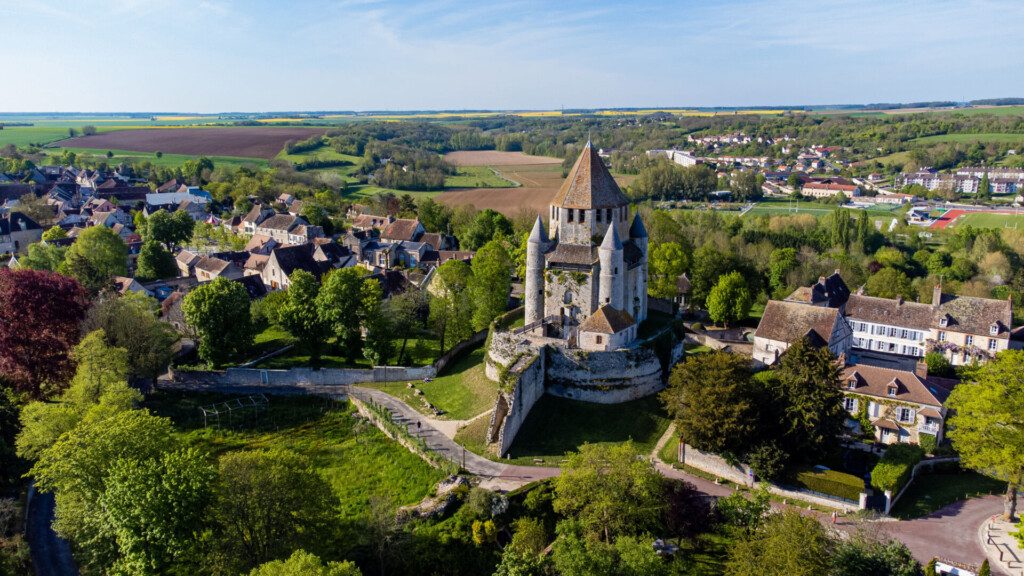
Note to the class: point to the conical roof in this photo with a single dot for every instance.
(611, 239)
(637, 229)
(538, 234)
(589, 184)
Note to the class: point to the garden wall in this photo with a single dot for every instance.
(296, 376)
(511, 408)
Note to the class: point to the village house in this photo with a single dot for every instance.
(784, 323)
(17, 231)
(402, 230)
(255, 217)
(828, 189)
(208, 268)
(288, 229)
(186, 261)
(902, 406)
(287, 259)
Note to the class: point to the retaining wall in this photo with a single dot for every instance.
(512, 408)
(301, 376)
(609, 377)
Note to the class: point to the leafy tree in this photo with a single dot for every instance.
(219, 313)
(780, 262)
(575, 554)
(938, 364)
(517, 562)
(486, 226)
(43, 256)
(768, 461)
(788, 544)
(609, 490)
(710, 397)
(97, 255)
(745, 514)
(985, 570)
(746, 186)
(54, 233)
(987, 426)
(131, 321)
(404, 311)
(863, 555)
(490, 283)
(39, 316)
(434, 216)
(77, 469)
(157, 509)
(267, 503)
(302, 563)
(730, 300)
(809, 384)
(667, 262)
(984, 188)
(169, 228)
(339, 302)
(155, 262)
(379, 328)
(708, 265)
(687, 511)
(890, 283)
(451, 307)
(300, 314)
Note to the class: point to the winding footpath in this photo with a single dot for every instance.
(950, 533)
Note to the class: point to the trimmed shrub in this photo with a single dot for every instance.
(928, 442)
(831, 482)
(768, 461)
(893, 469)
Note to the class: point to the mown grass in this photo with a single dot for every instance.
(418, 352)
(476, 177)
(463, 392)
(990, 220)
(165, 161)
(355, 458)
(930, 492)
(971, 138)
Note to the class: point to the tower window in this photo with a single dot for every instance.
(569, 218)
(608, 214)
(597, 215)
(583, 216)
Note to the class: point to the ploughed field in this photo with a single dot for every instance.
(240, 141)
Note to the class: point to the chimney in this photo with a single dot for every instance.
(937, 295)
(921, 370)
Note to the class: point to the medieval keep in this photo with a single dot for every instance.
(586, 279)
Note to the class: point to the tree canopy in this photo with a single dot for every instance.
(219, 313)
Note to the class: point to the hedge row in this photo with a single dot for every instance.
(894, 468)
(831, 482)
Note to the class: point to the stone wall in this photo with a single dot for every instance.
(512, 407)
(604, 377)
(301, 376)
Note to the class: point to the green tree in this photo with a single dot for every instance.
(169, 228)
(984, 188)
(97, 255)
(862, 555)
(339, 302)
(780, 262)
(54, 233)
(890, 283)
(730, 300)
(451, 307)
(155, 262)
(711, 398)
(667, 262)
(708, 265)
(987, 426)
(157, 508)
(267, 503)
(43, 256)
(302, 563)
(938, 364)
(486, 226)
(131, 321)
(745, 514)
(609, 490)
(788, 544)
(218, 312)
(77, 468)
(379, 345)
(403, 310)
(300, 314)
(809, 388)
(490, 283)
(746, 186)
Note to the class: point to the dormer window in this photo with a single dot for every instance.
(851, 383)
(993, 329)
(944, 321)
(892, 390)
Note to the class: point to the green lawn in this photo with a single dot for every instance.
(556, 426)
(419, 352)
(463, 392)
(166, 160)
(931, 492)
(990, 220)
(971, 138)
(476, 177)
(356, 458)
(669, 453)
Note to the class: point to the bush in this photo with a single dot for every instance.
(938, 365)
(893, 469)
(831, 482)
(696, 326)
(928, 442)
(768, 461)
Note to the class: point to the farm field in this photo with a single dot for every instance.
(249, 142)
(167, 160)
(971, 138)
(538, 184)
(477, 177)
(495, 158)
(356, 459)
(31, 135)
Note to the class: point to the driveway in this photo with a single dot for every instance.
(51, 554)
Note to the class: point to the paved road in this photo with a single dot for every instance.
(51, 554)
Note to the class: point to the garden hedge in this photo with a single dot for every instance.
(894, 468)
(831, 482)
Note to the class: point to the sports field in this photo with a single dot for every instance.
(785, 207)
(1006, 219)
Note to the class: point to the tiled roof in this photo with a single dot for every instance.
(875, 381)
(894, 312)
(975, 315)
(367, 221)
(187, 258)
(401, 229)
(254, 285)
(790, 321)
(17, 222)
(282, 222)
(607, 320)
(212, 265)
(573, 254)
(589, 184)
(433, 239)
(830, 291)
(298, 257)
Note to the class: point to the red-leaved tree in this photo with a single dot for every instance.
(39, 316)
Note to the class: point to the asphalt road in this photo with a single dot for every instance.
(51, 554)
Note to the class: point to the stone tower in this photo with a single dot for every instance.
(610, 287)
(588, 202)
(533, 291)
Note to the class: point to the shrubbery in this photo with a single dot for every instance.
(893, 471)
(928, 442)
(831, 482)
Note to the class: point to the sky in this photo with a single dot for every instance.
(210, 56)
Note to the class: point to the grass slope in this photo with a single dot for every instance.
(931, 492)
(971, 138)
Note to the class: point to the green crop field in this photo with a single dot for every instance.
(322, 153)
(31, 135)
(991, 220)
(476, 177)
(971, 138)
(166, 160)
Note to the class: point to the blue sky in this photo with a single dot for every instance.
(230, 55)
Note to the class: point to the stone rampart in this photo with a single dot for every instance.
(525, 382)
(608, 377)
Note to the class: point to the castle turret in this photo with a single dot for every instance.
(534, 290)
(638, 235)
(610, 290)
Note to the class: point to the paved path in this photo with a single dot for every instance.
(51, 554)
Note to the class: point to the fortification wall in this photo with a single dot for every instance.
(514, 405)
(603, 377)
(300, 376)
